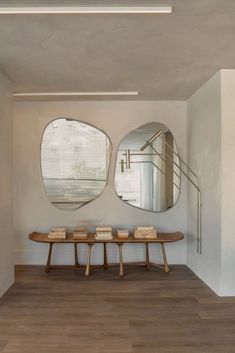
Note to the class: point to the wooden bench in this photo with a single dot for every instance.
(161, 239)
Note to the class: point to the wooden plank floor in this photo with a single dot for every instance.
(145, 312)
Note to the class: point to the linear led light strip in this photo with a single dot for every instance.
(86, 10)
(42, 94)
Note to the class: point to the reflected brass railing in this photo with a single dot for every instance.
(181, 165)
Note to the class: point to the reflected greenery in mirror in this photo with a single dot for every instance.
(75, 161)
(148, 172)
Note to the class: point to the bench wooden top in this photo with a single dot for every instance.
(161, 238)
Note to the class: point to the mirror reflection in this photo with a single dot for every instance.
(75, 161)
(147, 170)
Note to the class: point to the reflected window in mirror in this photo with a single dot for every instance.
(75, 159)
(148, 172)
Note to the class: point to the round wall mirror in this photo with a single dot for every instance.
(148, 168)
(75, 161)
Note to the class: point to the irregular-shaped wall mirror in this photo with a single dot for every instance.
(75, 161)
(148, 168)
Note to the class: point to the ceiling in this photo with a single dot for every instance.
(163, 56)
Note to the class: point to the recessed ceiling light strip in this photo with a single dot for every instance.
(73, 94)
(86, 10)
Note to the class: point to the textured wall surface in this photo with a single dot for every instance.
(227, 286)
(6, 223)
(204, 156)
(33, 211)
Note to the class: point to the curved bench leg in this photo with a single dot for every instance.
(88, 266)
(106, 265)
(121, 260)
(147, 255)
(48, 266)
(166, 267)
(76, 262)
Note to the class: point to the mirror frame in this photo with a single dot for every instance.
(116, 160)
(108, 170)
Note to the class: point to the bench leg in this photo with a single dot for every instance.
(121, 260)
(48, 266)
(105, 257)
(166, 267)
(147, 255)
(76, 262)
(88, 266)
